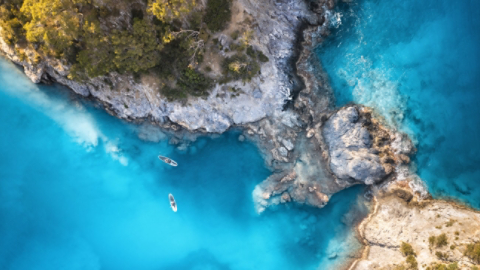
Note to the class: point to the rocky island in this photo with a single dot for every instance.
(204, 67)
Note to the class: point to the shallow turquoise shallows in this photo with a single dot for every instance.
(79, 189)
(418, 64)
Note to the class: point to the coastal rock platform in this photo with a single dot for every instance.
(400, 218)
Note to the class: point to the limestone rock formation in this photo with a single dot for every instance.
(284, 188)
(352, 147)
(398, 218)
(352, 155)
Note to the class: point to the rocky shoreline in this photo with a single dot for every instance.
(287, 111)
(275, 32)
(262, 109)
(313, 149)
(399, 217)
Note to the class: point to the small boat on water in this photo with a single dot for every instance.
(173, 203)
(169, 161)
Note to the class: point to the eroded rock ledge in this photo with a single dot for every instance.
(348, 147)
(400, 218)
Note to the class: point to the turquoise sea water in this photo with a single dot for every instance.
(418, 64)
(79, 189)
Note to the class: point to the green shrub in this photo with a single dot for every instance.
(238, 47)
(194, 83)
(136, 14)
(203, 35)
(439, 267)
(195, 20)
(235, 35)
(453, 266)
(262, 57)
(218, 14)
(407, 249)
(254, 54)
(239, 67)
(251, 52)
(473, 252)
(431, 241)
(442, 240)
(168, 10)
(441, 255)
(173, 94)
(452, 247)
(412, 262)
(450, 223)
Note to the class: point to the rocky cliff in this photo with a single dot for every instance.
(276, 26)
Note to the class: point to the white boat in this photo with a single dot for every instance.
(173, 203)
(169, 161)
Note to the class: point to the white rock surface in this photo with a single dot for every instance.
(395, 221)
(350, 148)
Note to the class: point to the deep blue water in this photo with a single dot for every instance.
(80, 189)
(418, 64)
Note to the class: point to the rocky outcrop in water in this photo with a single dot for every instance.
(352, 155)
(348, 147)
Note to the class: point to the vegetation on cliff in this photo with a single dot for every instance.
(473, 252)
(163, 38)
(169, 10)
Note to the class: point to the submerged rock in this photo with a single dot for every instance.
(287, 187)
